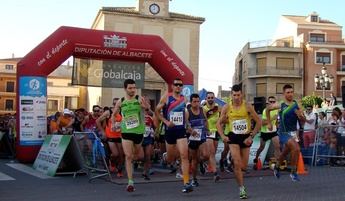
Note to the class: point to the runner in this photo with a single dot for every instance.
(109, 125)
(237, 116)
(289, 114)
(197, 129)
(132, 127)
(148, 142)
(212, 113)
(266, 134)
(173, 105)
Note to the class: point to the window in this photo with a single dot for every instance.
(261, 89)
(9, 86)
(261, 65)
(323, 57)
(8, 67)
(9, 104)
(314, 18)
(50, 83)
(53, 105)
(71, 102)
(343, 62)
(317, 38)
(285, 63)
(279, 87)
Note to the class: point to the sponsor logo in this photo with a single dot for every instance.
(115, 41)
(34, 84)
(27, 102)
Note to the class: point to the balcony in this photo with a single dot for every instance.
(274, 72)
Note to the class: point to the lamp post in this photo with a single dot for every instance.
(324, 80)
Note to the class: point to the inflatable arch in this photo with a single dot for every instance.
(34, 68)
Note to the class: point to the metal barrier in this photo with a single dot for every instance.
(92, 152)
(329, 145)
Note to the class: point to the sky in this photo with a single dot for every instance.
(228, 27)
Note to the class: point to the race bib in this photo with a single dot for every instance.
(196, 137)
(212, 134)
(176, 118)
(132, 121)
(240, 126)
(148, 131)
(116, 126)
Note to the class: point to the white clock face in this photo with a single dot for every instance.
(154, 9)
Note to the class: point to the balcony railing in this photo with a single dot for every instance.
(273, 71)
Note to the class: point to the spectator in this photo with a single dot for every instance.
(66, 121)
(333, 100)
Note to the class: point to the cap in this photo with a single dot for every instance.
(67, 111)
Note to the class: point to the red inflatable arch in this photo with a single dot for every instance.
(95, 44)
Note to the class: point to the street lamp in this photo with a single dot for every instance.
(324, 80)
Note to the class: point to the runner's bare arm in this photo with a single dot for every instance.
(117, 107)
(143, 103)
(159, 109)
(99, 121)
(256, 118)
(220, 123)
(269, 108)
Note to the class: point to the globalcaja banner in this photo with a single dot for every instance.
(106, 73)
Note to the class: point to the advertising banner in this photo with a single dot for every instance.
(106, 73)
(32, 110)
(51, 153)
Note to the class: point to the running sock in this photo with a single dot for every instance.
(242, 188)
(130, 182)
(185, 177)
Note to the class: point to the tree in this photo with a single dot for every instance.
(311, 100)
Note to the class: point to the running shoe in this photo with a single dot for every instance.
(130, 188)
(195, 183)
(243, 193)
(187, 188)
(119, 174)
(294, 177)
(276, 171)
(112, 167)
(178, 175)
(147, 178)
(216, 177)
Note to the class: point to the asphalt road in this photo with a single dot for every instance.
(320, 184)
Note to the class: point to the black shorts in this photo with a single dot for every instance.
(171, 136)
(136, 138)
(216, 138)
(115, 140)
(194, 145)
(268, 136)
(147, 141)
(238, 139)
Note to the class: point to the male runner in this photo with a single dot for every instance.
(173, 105)
(197, 129)
(289, 114)
(266, 134)
(237, 116)
(212, 110)
(132, 127)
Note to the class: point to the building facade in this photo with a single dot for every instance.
(302, 45)
(61, 94)
(181, 32)
(262, 69)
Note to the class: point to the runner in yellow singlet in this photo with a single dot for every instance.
(237, 116)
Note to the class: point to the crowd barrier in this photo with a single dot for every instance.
(328, 147)
(93, 155)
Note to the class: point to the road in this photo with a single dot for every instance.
(20, 182)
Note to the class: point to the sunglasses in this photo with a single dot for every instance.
(178, 85)
(271, 101)
(210, 97)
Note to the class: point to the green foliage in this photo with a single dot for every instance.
(311, 100)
